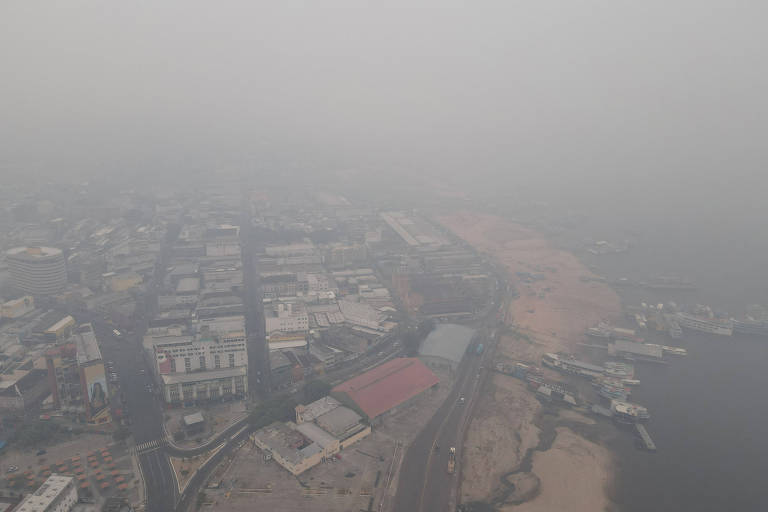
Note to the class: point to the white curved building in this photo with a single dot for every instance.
(37, 270)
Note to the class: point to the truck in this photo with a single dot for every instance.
(480, 348)
(451, 460)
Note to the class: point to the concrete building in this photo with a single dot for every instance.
(288, 447)
(17, 308)
(61, 329)
(306, 248)
(37, 270)
(64, 378)
(322, 429)
(280, 340)
(361, 314)
(123, 281)
(286, 317)
(212, 365)
(342, 423)
(57, 494)
(187, 354)
(22, 390)
(93, 378)
(191, 388)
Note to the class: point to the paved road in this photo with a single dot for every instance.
(258, 352)
(189, 496)
(424, 482)
(146, 415)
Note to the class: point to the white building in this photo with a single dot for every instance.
(186, 354)
(286, 317)
(209, 366)
(306, 248)
(57, 494)
(37, 270)
(360, 314)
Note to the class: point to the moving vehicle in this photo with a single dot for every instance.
(452, 460)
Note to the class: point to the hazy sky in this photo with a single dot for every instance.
(566, 91)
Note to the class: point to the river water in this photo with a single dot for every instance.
(709, 409)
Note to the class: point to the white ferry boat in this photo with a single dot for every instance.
(704, 324)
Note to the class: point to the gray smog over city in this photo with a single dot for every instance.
(432, 256)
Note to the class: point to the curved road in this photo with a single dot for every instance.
(424, 482)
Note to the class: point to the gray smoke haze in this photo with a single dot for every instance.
(572, 94)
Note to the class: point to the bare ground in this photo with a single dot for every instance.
(549, 315)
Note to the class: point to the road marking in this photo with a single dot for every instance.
(149, 446)
(437, 435)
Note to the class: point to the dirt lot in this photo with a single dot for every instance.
(92, 459)
(366, 470)
(556, 303)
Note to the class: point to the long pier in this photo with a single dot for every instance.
(645, 437)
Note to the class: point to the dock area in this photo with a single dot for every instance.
(645, 437)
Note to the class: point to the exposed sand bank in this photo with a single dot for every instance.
(573, 475)
(549, 315)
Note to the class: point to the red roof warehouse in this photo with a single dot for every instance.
(386, 386)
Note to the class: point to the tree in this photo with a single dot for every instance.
(121, 434)
(315, 390)
(280, 408)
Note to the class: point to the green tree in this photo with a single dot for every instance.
(315, 390)
(121, 434)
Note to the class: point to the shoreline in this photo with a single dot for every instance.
(522, 455)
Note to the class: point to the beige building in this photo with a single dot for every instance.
(18, 307)
(57, 494)
(322, 429)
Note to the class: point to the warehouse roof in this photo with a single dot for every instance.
(388, 385)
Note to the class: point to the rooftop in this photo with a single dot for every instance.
(316, 434)
(34, 253)
(340, 422)
(87, 345)
(188, 284)
(64, 322)
(46, 494)
(289, 443)
(388, 385)
(319, 407)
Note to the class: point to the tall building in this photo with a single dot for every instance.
(211, 365)
(93, 378)
(64, 378)
(37, 270)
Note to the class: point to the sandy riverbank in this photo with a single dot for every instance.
(573, 475)
(550, 314)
